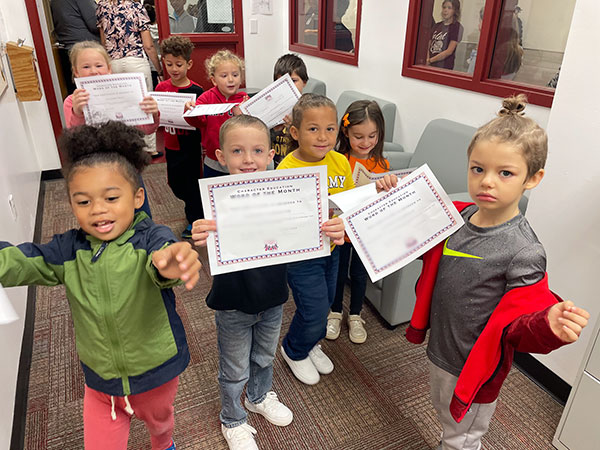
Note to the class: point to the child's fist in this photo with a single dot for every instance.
(178, 260)
(189, 106)
(567, 321)
(149, 105)
(200, 229)
(334, 228)
(80, 98)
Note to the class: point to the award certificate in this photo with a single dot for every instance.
(172, 106)
(209, 110)
(115, 97)
(400, 225)
(265, 218)
(362, 176)
(274, 102)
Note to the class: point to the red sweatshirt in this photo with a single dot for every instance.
(210, 125)
(519, 322)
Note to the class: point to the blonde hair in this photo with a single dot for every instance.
(212, 62)
(243, 121)
(511, 127)
(84, 45)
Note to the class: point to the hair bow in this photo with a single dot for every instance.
(345, 120)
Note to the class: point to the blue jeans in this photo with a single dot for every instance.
(313, 284)
(247, 346)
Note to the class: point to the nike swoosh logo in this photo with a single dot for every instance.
(449, 252)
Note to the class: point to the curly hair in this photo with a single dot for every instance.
(357, 113)
(511, 127)
(177, 46)
(111, 143)
(212, 62)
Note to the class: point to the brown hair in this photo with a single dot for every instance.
(357, 113)
(212, 62)
(456, 6)
(511, 127)
(288, 64)
(84, 45)
(243, 121)
(177, 46)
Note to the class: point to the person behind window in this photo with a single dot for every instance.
(445, 36)
(342, 35)
(179, 19)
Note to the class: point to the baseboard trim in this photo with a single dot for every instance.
(17, 441)
(54, 174)
(543, 377)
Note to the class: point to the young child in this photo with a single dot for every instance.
(182, 147)
(118, 270)
(280, 137)
(248, 304)
(89, 58)
(226, 71)
(445, 36)
(484, 291)
(360, 139)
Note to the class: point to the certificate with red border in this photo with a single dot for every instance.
(115, 97)
(274, 102)
(398, 226)
(266, 218)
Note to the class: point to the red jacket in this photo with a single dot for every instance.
(210, 125)
(519, 322)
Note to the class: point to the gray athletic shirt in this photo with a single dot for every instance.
(478, 266)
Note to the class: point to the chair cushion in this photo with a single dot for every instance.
(387, 108)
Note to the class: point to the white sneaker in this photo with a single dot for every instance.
(320, 360)
(272, 410)
(334, 325)
(240, 437)
(304, 369)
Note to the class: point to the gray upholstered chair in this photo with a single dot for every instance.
(315, 86)
(390, 149)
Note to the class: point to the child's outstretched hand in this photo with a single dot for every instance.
(386, 183)
(149, 105)
(334, 228)
(80, 98)
(178, 260)
(567, 321)
(200, 229)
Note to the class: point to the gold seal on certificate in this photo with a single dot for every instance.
(394, 228)
(266, 218)
(115, 97)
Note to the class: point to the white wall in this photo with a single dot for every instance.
(383, 31)
(564, 210)
(20, 154)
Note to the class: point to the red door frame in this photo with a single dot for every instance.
(44, 66)
(234, 40)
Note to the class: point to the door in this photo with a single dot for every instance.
(211, 25)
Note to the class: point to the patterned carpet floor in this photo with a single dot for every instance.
(376, 398)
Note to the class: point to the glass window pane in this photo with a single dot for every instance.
(340, 26)
(531, 40)
(307, 16)
(201, 16)
(448, 32)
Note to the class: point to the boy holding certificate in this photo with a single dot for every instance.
(248, 304)
(182, 147)
(484, 291)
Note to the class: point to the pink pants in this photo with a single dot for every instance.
(155, 408)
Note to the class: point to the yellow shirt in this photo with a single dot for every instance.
(339, 175)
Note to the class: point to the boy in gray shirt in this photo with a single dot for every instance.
(484, 291)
